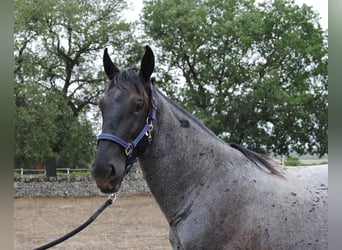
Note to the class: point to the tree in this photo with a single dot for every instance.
(48, 133)
(57, 44)
(35, 130)
(58, 74)
(256, 74)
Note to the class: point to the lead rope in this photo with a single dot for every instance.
(108, 202)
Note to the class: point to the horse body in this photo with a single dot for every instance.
(214, 195)
(215, 198)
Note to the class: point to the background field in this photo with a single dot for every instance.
(131, 222)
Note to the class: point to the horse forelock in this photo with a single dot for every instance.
(129, 80)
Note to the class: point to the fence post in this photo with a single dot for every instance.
(22, 172)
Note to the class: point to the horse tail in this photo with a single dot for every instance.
(258, 159)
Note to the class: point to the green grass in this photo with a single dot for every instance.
(293, 161)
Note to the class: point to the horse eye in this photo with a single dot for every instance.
(139, 107)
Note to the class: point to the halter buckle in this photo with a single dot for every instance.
(129, 150)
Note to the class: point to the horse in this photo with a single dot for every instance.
(214, 195)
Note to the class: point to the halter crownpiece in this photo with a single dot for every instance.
(146, 131)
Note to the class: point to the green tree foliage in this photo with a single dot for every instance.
(256, 74)
(58, 75)
(57, 45)
(47, 131)
(35, 130)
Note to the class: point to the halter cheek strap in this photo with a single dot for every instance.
(146, 131)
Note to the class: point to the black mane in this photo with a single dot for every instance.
(258, 159)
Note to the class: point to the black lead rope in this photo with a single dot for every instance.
(108, 202)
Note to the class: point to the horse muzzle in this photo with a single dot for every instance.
(108, 178)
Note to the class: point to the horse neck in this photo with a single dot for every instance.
(179, 159)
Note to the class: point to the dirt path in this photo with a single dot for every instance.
(132, 222)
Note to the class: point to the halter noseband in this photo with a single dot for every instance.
(147, 130)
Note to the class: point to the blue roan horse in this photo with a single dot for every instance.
(214, 195)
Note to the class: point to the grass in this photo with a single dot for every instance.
(294, 161)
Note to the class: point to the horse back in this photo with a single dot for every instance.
(260, 211)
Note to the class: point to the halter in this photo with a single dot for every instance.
(146, 131)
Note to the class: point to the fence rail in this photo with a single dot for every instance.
(281, 161)
(34, 172)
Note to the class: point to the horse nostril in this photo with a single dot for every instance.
(103, 171)
(113, 171)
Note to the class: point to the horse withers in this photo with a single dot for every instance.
(215, 195)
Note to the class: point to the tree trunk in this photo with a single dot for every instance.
(50, 167)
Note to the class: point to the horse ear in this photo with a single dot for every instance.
(109, 67)
(147, 64)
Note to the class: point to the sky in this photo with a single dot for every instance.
(321, 6)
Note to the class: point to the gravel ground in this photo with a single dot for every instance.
(131, 222)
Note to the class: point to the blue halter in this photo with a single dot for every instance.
(146, 131)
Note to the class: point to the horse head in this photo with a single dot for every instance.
(127, 113)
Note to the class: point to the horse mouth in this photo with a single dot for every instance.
(106, 186)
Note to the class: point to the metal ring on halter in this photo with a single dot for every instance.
(112, 197)
(149, 121)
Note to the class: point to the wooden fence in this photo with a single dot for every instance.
(35, 172)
